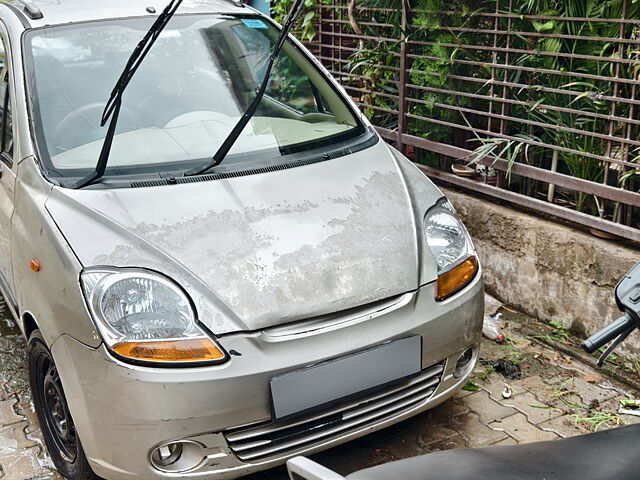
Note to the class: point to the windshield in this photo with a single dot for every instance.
(189, 92)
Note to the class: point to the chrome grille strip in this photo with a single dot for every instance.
(250, 432)
(247, 446)
(395, 398)
(252, 443)
(278, 447)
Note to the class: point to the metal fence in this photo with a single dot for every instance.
(544, 106)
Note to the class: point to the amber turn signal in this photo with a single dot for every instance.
(452, 281)
(187, 350)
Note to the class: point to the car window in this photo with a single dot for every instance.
(289, 85)
(6, 121)
(178, 108)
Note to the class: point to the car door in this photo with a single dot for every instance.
(7, 174)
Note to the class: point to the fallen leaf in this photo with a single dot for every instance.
(471, 387)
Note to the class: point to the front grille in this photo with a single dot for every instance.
(267, 439)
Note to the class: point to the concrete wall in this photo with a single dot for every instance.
(546, 269)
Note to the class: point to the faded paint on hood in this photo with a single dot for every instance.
(260, 250)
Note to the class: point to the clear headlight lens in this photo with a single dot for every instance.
(451, 247)
(145, 317)
(446, 236)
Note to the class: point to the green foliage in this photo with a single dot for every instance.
(377, 81)
(305, 29)
(559, 333)
(434, 68)
(557, 99)
(502, 149)
(470, 387)
(594, 421)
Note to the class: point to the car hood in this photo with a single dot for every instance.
(264, 249)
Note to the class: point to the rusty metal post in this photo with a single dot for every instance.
(402, 87)
(494, 56)
(616, 88)
(629, 216)
(505, 90)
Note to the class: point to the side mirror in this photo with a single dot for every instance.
(628, 293)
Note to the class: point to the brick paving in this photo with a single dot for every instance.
(555, 397)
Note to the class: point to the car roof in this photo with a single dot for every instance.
(56, 12)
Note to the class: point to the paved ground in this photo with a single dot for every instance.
(553, 396)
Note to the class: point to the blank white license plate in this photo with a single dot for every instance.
(320, 385)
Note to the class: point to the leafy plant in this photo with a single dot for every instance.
(502, 149)
(513, 355)
(560, 332)
(555, 107)
(484, 374)
(470, 387)
(306, 28)
(596, 420)
(377, 81)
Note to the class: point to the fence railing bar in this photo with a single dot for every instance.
(366, 24)
(534, 17)
(375, 107)
(534, 53)
(355, 49)
(489, 14)
(338, 60)
(534, 123)
(529, 171)
(523, 140)
(489, 48)
(364, 37)
(540, 70)
(559, 36)
(579, 218)
(362, 8)
(502, 66)
(541, 106)
(381, 94)
(609, 138)
(522, 85)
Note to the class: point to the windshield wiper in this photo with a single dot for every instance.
(112, 108)
(231, 139)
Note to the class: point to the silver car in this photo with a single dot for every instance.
(207, 321)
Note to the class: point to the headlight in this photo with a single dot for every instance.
(452, 249)
(144, 317)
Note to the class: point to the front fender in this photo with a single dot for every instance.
(51, 295)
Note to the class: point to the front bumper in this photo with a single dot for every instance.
(122, 412)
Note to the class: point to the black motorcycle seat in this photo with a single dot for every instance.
(608, 455)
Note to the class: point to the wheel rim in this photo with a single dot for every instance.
(56, 412)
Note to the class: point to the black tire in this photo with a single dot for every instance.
(56, 423)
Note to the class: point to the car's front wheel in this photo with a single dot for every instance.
(58, 429)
